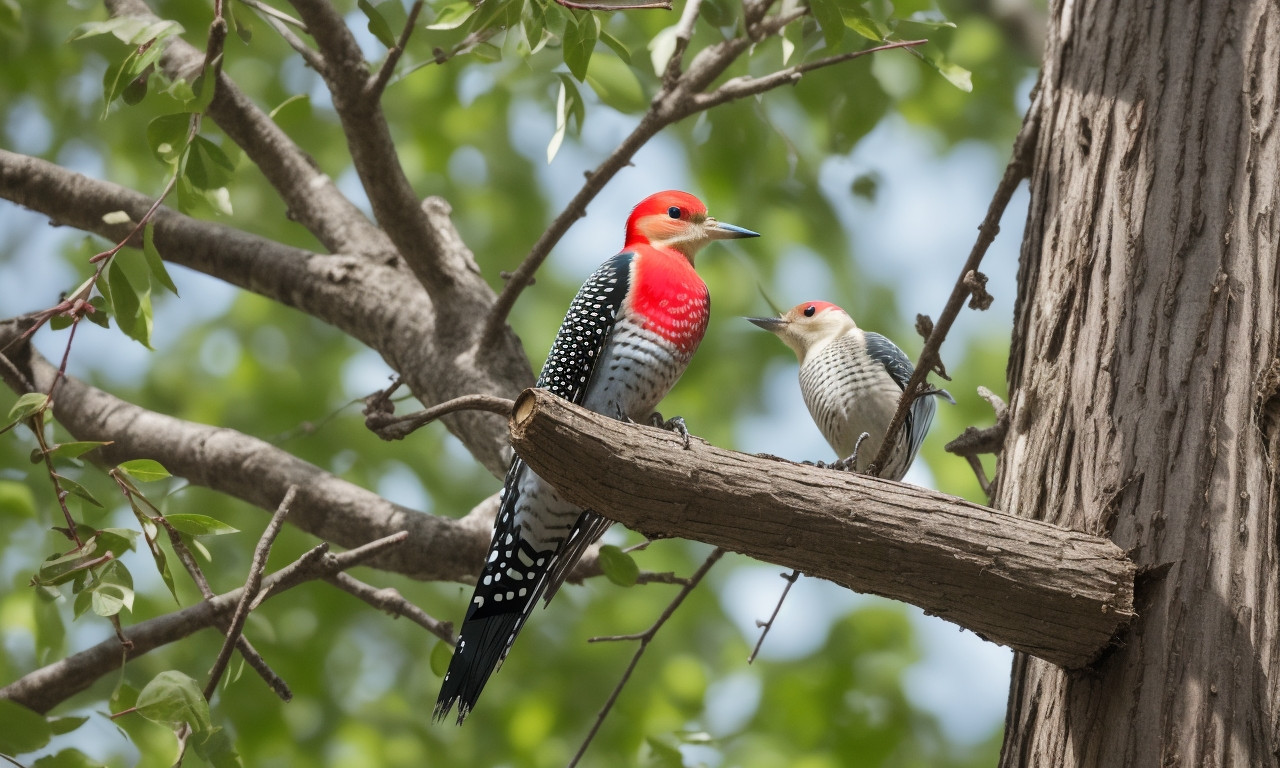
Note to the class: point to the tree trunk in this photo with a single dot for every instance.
(1144, 376)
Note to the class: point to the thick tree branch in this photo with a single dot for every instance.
(49, 686)
(260, 473)
(313, 199)
(370, 301)
(373, 153)
(1057, 594)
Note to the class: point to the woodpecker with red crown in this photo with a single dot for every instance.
(626, 338)
(852, 381)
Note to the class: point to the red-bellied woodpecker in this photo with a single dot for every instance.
(852, 381)
(627, 337)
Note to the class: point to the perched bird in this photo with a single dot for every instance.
(852, 381)
(626, 338)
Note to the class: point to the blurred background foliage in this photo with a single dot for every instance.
(825, 169)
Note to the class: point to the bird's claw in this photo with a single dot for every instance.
(674, 424)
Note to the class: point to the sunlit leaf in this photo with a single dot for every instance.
(199, 525)
(79, 448)
(441, 654)
(171, 699)
(144, 470)
(618, 566)
(452, 16)
(167, 136)
(27, 405)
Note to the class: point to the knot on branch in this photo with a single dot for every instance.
(976, 282)
(924, 326)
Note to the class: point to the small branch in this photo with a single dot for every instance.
(974, 441)
(390, 601)
(390, 427)
(684, 33)
(1018, 168)
(250, 591)
(741, 87)
(1058, 594)
(765, 626)
(639, 6)
(378, 82)
(45, 688)
(644, 638)
(278, 21)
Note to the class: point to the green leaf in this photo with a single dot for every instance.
(299, 102)
(127, 26)
(50, 630)
(199, 525)
(21, 730)
(487, 52)
(579, 42)
(154, 262)
(207, 165)
(954, 73)
(441, 655)
(62, 725)
(827, 14)
(167, 136)
(113, 590)
(616, 84)
(79, 490)
(662, 47)
(859, 20)
(171, 699)
(59, 569)
(76, 449)
(100, 314)
(377, 24)
(27, 405)
(67, 758)
(453, 15)
(663, 755)
(124, 299)
(144, 470)
(615, 45)
(534, 19)
(16, 500)
(11, 17)
(218, 750)
(562, 122)
(618, 566)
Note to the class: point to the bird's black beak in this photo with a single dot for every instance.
(770, 324)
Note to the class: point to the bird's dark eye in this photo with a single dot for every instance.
(809, 310)
(673, 212)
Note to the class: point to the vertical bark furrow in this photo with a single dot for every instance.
(1152, 223)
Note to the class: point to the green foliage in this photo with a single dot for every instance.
(520, 82)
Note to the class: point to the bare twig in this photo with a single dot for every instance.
(765, 626)
(974, 441)
(250, 591)
(1018, 168)
(684, 33)
(390, 601)
(45, 688)
(644, 638)
(390, 427)
(378, 81)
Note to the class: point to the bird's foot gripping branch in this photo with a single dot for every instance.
(1057, 594)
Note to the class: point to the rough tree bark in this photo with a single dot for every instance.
(1144, 376)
